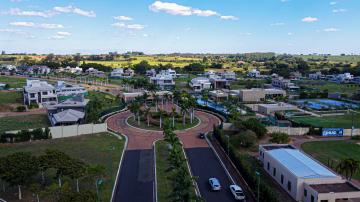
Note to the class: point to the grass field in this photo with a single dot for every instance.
(23, 122)
(10, 98)
(162, 166)
(13, 82)
(327, 151)
(343, 121)
(330, 86)
(333, 58)
(92, 149)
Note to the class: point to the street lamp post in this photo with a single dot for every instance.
(228, 145)
(98, 184)
(258, 188)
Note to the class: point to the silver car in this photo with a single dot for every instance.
(237, 192)
(214, 184)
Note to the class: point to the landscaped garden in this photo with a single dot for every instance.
(331, 153)
(97, 154)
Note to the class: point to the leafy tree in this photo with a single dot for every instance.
(256, 126)
(35, 188)
(348, 167)
(279, 138)
(142, 67)
(18, 169)
(195, 68)
(76, 170)
(59, 161)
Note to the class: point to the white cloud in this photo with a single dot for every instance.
(145, 35)
(60, 35)
(333, 3)
(331, 29)
(246, 34)
(17, 32)
(228, 17)
(135, 26)
(123, 18)
(74, 10)
(19, 12)
(57, 37)
(277, 24)
(63, 33)
(340, 10)
(50, 26)
(176, 9)
(130, 26)
(118, 25)
(290, 34)
(310, 19)
(22, 24)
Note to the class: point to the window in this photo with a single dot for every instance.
(268, 166)
(32, 95)
(324, 201)
(274, 172)
(289, 186)
(312, 198)
(305, 192)
(45, 93)
(282, 179)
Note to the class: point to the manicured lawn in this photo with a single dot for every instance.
(178, 124)
(10, 98)
(162, 166)
(92, 149)
(13, 82)
(333, 151)
(23, 122)
(344, 121)
(329, 86)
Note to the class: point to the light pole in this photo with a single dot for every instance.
(258, 188)
(98, 184)
(228, 145)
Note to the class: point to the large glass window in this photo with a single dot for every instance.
(289, 186)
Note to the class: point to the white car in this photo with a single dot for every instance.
(237, 192)
(214, 184)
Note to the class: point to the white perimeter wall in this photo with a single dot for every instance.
(75, 130)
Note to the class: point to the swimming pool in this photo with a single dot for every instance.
(212, 105)
(318, 104)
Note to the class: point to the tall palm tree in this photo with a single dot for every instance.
(161, 113)
(205, 97)
(147, 114)
(132, 108)
(145, 96)
(173, 114)
(156, 97)
(184, 110)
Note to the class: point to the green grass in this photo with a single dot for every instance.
(162, 174)
(343, 121)
(327, 151)
(329, 86)
(92, 149)
(10, 98)
(23, 122)
(13, 82)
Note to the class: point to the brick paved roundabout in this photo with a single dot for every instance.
(137, 169)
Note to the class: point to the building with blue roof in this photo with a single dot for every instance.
(302, 177)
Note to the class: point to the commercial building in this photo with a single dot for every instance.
(199, 84)
(39, 92)
(259, 94)
(303, 178)
(272, 108)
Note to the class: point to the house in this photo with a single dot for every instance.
(218, 95)
(199, 84)
(269, 109)
(228, 75)
(73, 70)
(164, 82)
(316, 76)
(150, 73)
(8, 67)
(65, 90)
(94, 72)
(344, 78)
(68, 112)
(39, 92)
(168, 72)
(302, 177)
(210, 73)
(259, 94)
(40, 69)
(129, 97)
(117, 73)
(219, 83)
(284, 84)
(254, 73)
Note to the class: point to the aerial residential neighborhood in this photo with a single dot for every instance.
(179, 101)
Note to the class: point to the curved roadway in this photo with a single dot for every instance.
(136, 179)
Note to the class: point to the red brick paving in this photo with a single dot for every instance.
(142, 139)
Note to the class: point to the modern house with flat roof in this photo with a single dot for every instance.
(254, 73)
(302, 177)
(228, 75)
(218, 83)
(66, 90)
(272, 108)
(259, 94)
(39, 92)
(164, 82)
(199, 84)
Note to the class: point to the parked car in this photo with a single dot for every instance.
(237, 192)
(201, 135)
(214, 184)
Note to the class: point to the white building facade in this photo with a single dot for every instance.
(39, 92)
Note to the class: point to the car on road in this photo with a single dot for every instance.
(201, 135)
(214, 184)
(237, 192)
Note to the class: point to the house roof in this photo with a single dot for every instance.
(36, 86)
(68, 115)
(300, 164)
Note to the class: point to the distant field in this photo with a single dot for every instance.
(13, 82)
(346, 58)
(23, 122)
(92, 149)
(344, 121)
(327, 151)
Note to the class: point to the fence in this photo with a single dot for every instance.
(75, 130)
(288, 130)
(347, 132)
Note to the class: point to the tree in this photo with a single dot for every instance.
(256, 126)
(95, 172)
(59, 161)
(348, 167)
(147, 114)
(35, 189)
(19, 169)
(142, 67)
(173, 114)
(279, 138)
(76, 170)
(43, 164)
(161, 114)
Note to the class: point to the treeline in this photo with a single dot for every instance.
(37, 174)
(25, 136)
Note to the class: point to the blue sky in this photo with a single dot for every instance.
(188, 26)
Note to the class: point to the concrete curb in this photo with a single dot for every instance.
(121, 160)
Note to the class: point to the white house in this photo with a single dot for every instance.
(254, 73)
(94, 72)
(39, 92)
(283, 84)
(150, 73)
(164, 82)
(344, 78)
(302, 177)
(117, 73)
(169, 72)
(199, 84)
(228, 75)
(316, 76)
(210, 73)
(66, 89)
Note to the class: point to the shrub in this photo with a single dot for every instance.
(279, 138)
(20, 108)
(33, 106)
(256, 126)
(357, 137)
(246, 139)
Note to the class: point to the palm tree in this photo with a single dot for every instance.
(192, 105)
(147, 113)
(156, 97)
(145, 96)
(161, 113)
(184, 110)
(133, 107)
(205, 97)
(173, 114)
(348, 167)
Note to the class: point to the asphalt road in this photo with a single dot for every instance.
(136, 178)
(204, 165)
